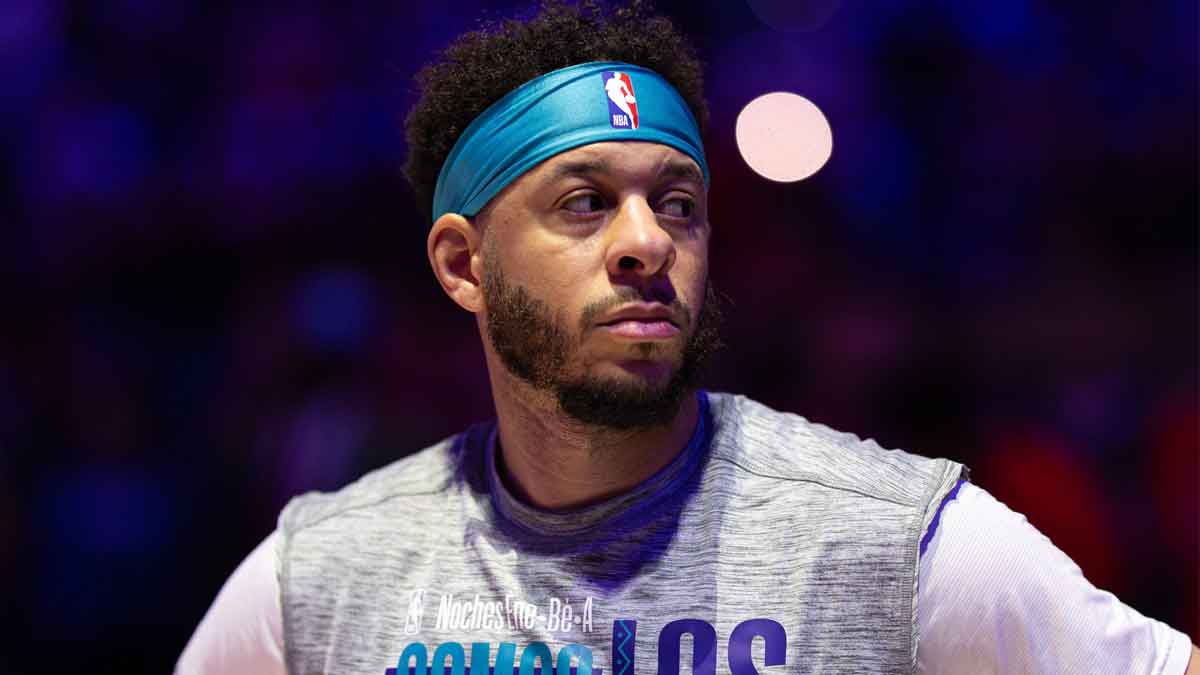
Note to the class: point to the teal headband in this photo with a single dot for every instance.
(558, 111)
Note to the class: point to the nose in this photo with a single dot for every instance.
(637, 244)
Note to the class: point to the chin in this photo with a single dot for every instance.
(656, 370)
(631, 362)
(624, 402)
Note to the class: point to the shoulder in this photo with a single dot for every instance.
(426, 474)
(1027, 604)
(242, 632)
(782, 445)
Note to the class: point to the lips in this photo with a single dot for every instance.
(642, 329)
(644, 312)
(641, 321)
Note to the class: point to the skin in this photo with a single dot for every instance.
(584, 414)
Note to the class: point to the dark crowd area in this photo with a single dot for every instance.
(216, 293)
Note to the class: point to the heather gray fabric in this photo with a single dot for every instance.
(769, 541)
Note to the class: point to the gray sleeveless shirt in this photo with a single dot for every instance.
(770, 544)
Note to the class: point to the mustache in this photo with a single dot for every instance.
(664, 296)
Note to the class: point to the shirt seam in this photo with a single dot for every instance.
(841, 488)
(1162, 667)
(360, 506)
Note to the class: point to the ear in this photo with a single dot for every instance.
(453, 247)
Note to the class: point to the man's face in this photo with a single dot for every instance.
(580, 237)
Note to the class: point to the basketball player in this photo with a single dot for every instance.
(615, 517)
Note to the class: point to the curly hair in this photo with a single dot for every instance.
(481, 66)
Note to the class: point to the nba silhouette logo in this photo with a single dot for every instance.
(416, 608)
(622, 106)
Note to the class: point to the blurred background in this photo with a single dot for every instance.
(216, 293)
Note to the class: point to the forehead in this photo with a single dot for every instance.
(632, 160)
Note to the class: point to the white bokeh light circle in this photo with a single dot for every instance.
(783, 137)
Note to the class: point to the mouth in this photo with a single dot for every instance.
(642, 329)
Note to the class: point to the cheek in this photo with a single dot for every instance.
(692, 266)
(561, 271)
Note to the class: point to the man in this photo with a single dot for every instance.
(615, 507)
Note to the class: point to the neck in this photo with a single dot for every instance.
(552, 462)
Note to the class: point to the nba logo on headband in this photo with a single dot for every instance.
(622, 106)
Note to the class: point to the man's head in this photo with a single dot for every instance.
(480, 67)
(584, 233)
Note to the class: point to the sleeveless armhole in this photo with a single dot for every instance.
(943, 489)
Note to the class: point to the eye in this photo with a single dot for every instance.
(678, 207)
(583, 204)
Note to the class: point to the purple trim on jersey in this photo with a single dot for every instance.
(491, 670)
(937, 516)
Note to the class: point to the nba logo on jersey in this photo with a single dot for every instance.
(622, 106)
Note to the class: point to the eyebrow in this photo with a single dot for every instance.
(682, 170)
(579, 168)
(672, 169)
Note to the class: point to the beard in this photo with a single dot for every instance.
(536, 346)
